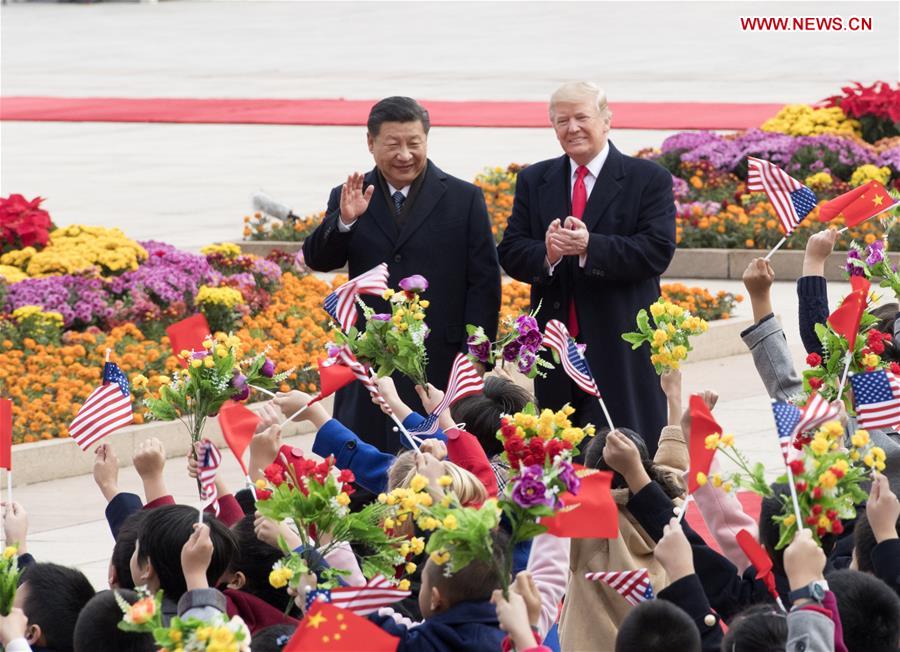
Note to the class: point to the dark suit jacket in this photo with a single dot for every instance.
(631, 218)
(446, 237)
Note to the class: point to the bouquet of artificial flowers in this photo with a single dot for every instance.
(220, 634)
(519, 341)
(9, 578)
(394, 341)
(317, 497)
(213, 376)
(668, 336)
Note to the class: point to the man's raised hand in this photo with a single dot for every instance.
(354, 200)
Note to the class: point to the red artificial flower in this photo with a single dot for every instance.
(508, 430)
(895, 368)
(797, 467)
(536, 446)
(811, 520)
(346, 475)
(813, 359)
(821, 531)
(514, 445)
(817, 493)
(831, 514)
(263, 494)
(275, 474)
(531, 460)
(837, 527)
(878, 347)
(816, 510)
(554, 448)
(838, 472)
(801, 486)
(815, 383)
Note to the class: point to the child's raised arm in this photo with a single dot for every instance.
(149, 462)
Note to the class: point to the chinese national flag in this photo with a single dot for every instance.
(590, 514)
(188, 335)
(759, 558)
(846, 317)
(332, 376)
(6, 434)
(328, 628)
(858, 205)
(703, 424)
(238, 424)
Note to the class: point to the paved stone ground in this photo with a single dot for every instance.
(190, 184)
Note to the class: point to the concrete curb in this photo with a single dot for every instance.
(62, 458)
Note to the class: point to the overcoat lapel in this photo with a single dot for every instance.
(433, 188)
(381, 213)
(606, 188)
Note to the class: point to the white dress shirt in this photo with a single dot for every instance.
(343, 228)
(594, 166)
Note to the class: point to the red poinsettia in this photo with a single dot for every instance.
(877, 107)
(24, 223)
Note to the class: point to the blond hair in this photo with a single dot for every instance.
(465, 484)
(580, 92)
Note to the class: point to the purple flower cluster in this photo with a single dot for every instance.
(875, 253)
(168, 276)
(523, 349)
(688, 140)
(479, 347)
(530, 490)
(854, 270)
(80, 300)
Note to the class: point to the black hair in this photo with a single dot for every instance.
(396, 109)
(255, 558)
(593, 458)
(55, 596)
(658, 626)
(246, 501)
(769, 532)
(864, 542)
(163, 534)
(760, 628)
(97, 629)
(273, 638)
(869, 609)
(124, 548)
(481, 412)
(475, 582)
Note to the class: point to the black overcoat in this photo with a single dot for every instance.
(631, 218)
(446, 237)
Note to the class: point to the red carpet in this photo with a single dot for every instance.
(750, 501)
(337, 112)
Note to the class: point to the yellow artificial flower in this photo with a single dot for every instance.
(789, 520)
(860, 439)
(711, 442)
(342, 499)
(819, 445)
(701, 478)
(657, 309)
(727, 440)
(9, 552)
(403, 585)
(410, 567)
(871, 360)
(450, 522)
(418, 483)
(417, 544)
(716, 480)
(440, 557)
(445, 481)
(828, 480)
(727, 487)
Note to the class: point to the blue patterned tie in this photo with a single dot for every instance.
(399, 198)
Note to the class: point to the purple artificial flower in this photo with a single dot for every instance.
(526, 362)
(853, 270)
(531, 341)
(530, 490)
(511, 350)
(268, 368)
(526, 323)
(332, 350)
(876, 252)
(480, 348)
(241, 388)
(199, 355)
(414, 283)
(569, 477)
(381, 316)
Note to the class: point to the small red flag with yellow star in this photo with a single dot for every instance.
(858, 205)
(327, 627)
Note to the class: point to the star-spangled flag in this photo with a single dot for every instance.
(876, 397)
(464, 381)
(556, 336)
(341, 304)
(361, 600)
(209, 459)
(633, 585)
(791, 200)
(816, 412)
(107, 409)
(787, 417)
(345, 357)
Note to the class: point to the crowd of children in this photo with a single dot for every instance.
(842, 595)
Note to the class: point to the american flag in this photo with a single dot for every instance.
(633, 585)
(816, 412)
(556, 336)
(787, 417)
(209, 458)
(464, 381)
(876, 396)
(341, 304)
(361, 600)
(345, 357)
(107, 409)
(791, 200)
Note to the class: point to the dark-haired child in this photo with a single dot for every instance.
(51, 597)
(869, 609)
(877, 544)
(97, 629)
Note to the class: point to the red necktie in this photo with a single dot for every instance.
(579, 201)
